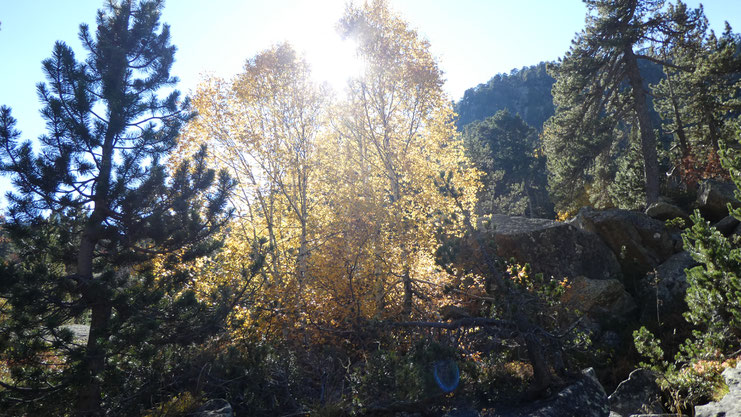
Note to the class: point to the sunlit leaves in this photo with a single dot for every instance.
(341, 190)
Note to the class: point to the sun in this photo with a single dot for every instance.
(333, 61)
(312, 33)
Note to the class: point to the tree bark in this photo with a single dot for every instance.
(648, 137)
(677, 117)
(88, 400)
(93, 290)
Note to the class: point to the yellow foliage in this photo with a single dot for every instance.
(344, 193)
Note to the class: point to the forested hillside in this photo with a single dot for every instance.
(525, 92)
(268, 246)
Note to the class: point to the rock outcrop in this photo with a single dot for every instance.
(638, 394)
(661, 293)
(554, 248)
(730, 405)
(584, 398)
(663, 210)
(727, 225)
(639, 242)
(713, 198)
(604, 300)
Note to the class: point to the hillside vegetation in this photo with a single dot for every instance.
(269, 247)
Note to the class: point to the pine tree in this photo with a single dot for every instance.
(714, 293)
(698, 99)
(93, 213)
(713, 309)
(506, 149)
(627, 188)
(599, 86)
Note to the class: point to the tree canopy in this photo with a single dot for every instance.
(525, 92)
(509, 153)
(293, 250)
(95, 209)
(599, 88)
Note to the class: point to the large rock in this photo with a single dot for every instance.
(604, 300)
(663, 210)
(730, 405)
(554, 248)
(727, 225)
(713, 198)
(583, 398)
(80, 332)
(639, 242)
(662, 291)
(636, 395)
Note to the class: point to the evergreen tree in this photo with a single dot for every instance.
(599, 85)
(628, 188)
(713, 309)
(698, 99)
(506, 149)
(714, 293)
(94, 214)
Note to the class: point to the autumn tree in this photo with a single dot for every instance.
(398, 129)
(599, 89)
(342, 189)
(91, 215)
(264, 126)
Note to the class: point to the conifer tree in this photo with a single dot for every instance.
(713, 299)
(92, 214)
(506, 149)
(698, 99)
(599, 86)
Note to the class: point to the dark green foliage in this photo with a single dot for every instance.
(628, 190)
(714, 310)
(391, 379)
(714, 293)
(698, 99)
(601, 90)
(94, 213)
(507, 150)
(713, 298)
(525, 92)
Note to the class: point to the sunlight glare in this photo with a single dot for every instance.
(312, 33)
(334, 62)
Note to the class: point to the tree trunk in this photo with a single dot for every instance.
(648, 138)
(531, 211)
(542, 377)
(408, 292)
(88, 400)
(93, 291)
(677, 118)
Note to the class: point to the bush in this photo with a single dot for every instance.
(714, 309)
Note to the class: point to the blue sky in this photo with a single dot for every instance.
(472, 39)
